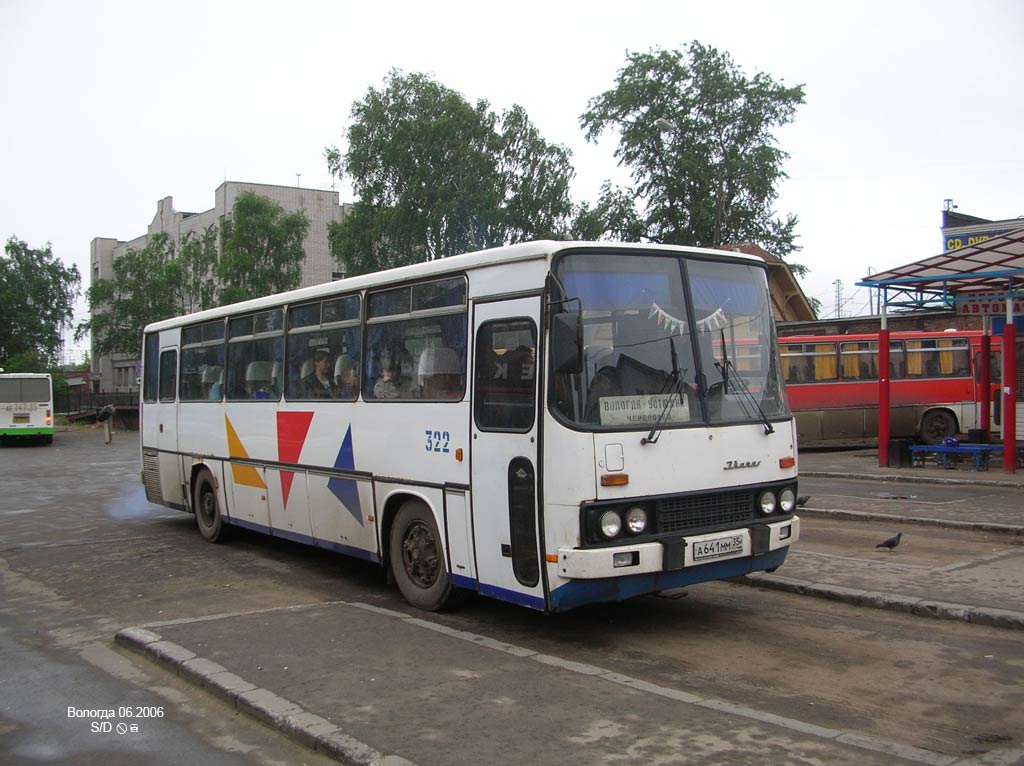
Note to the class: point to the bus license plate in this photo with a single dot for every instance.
(20, 417)
(717, 547)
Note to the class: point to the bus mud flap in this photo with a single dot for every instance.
(760, 540)
(673, 556)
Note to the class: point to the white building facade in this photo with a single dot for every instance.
(119, 373)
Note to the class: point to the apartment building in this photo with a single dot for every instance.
(118, 373)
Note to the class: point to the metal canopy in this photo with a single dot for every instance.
(990, 269)
(987, 268)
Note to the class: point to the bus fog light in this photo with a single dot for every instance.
(766, 503)
(785, 532)
(787, 500)
(626, 559)
(636, 520)
(611, 523)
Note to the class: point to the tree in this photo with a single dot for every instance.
(37, 301)
(435, 175)
(261, 249)
(696, 134)
(613, 216)
(196, 264)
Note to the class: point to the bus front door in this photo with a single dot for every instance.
(504, 476)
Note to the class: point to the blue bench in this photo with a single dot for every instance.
(949, 457)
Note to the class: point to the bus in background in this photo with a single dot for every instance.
(26, 406)
(935, 385)
(550, 423)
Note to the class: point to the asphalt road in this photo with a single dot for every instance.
(83, 555)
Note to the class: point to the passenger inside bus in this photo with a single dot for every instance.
(317, 382)
(395, 367)
(346, 377)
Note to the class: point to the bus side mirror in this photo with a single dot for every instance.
(567, 344)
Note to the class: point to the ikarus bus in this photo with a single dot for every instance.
(551, 423)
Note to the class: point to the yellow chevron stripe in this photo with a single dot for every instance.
(246, 475)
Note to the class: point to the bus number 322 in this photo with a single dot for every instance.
(437, 441)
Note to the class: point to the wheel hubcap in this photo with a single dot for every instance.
(207, 508)
(419, 555)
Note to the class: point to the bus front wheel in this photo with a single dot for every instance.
(417, 559)
(208, 517)
(936, 426)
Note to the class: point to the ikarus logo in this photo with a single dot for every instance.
(732, 465)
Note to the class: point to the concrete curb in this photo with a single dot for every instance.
(1012, 483)
(921, 607)
(278, 713)
(970, 526)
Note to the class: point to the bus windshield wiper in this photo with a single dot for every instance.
(740, 385)
(724, 367)
(673, 385)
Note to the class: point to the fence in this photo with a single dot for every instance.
(73, 402)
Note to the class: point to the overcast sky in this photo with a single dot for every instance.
(107, 107)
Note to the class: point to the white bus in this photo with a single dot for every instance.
(551, 423)
(26, 406)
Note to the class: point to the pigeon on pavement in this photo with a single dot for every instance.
(891, 543)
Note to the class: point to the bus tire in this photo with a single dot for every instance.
(936, 425)
(209, 520)
(417, 558)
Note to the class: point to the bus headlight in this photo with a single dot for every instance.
(636, 520)
(611, 524)
(766, 502)
(787, 500)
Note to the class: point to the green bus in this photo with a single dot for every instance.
(26, 406)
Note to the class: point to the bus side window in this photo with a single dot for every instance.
(168, 375)
(505, 375)
(151, 354)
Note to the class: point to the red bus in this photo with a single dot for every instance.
(935, 389)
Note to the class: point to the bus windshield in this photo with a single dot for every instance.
(670, 341)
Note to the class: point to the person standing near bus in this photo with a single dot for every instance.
(106, 417)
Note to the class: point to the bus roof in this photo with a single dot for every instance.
(525, 251)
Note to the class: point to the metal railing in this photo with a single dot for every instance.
(72, 402)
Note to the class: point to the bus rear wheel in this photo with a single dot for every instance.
(936, 426)
(417, 559)
(208, 516)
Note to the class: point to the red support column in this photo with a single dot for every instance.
(985, 383)
(883, 398)
(1009, 393)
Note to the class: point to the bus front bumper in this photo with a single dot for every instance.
(676, 553)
